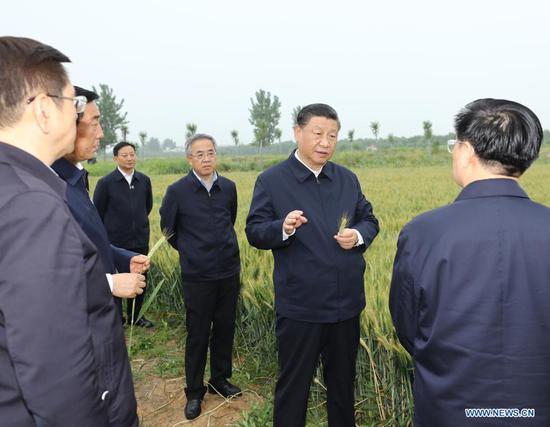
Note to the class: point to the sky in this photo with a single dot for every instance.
(396, 62)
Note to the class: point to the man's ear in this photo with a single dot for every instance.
(297, 133)
(42, 109)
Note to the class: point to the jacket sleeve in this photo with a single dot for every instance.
(234, 206)
(101, 198)
(364, 220)
(263, 229)
(43, 303)
(122, 258)
(149, 197)
(403, 301)
(169, 216)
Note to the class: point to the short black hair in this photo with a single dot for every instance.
(504, 134)
(316, 110)
(27, 67)
(120, 145)
(90, 95)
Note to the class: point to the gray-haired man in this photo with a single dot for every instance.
(199, 210)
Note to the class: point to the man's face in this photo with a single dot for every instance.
(316, 141)
(126, 158)
(88, 134)
(203, 157)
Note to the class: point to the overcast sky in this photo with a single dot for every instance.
(396, 62)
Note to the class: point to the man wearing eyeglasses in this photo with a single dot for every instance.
(124, 199)
(199, 213)
(63, 360)
(470, 293)
(70, 169)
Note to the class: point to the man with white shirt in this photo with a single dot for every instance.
(124, 199)
(70, 169)
(199, 211)
(314, 217)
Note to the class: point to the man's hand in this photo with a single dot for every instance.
(128, 285)
(347, 238)
(293, 221)
(139, 264)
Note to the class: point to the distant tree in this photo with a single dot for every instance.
(124, 131)
(112, 117)
(427, 128)
(143, 140)
(235, 137)
(428, 133)
(265, 114)
(391, 138)
(153, 145)
(375, 128)
(278, 134)
(295, 112)
(168, 144)
(351, 134)
(191, 130)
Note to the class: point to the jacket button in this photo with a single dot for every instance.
(104, 395)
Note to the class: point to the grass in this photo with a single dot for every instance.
(383, 391)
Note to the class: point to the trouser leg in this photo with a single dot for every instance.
(298, 346)
(200, 299)
(339, 356)
(223, 328)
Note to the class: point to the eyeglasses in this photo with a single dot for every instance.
(79, 102)
(202, 156)
(451, 144)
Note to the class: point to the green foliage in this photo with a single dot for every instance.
(427, 129)
(112, 117)
(375, 129)
(264, 116)
(191, 130)
(235, 137)
(168, 144)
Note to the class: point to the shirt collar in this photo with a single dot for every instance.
(67, 171)
(193, 177)
(302, 172)
(492, 188)
(126, 175)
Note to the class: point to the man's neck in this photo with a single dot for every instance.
(204, 178)
(315, 171)
(126, 171)
(28, 143)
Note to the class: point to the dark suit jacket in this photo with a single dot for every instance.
(470, 300)
(61, 341)
(315, 279)
(125, 209)
(201, 224)
(84, 212)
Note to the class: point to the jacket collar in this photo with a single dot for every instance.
(67, 171)
(195, 183)
(21, 159)
(301, 172)
(119, 175)
(492, 188)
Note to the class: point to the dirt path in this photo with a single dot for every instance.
(161, 402)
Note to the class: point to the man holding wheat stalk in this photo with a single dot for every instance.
(314, 217)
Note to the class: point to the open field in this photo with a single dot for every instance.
(383, 388)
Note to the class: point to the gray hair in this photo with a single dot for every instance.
(196, 137)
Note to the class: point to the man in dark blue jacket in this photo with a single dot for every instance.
(199, 213)
(63, 359)
(70, 169)
(471, 282)
(314, 217)
(124, 199)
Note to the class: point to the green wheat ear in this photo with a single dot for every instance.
(344, 220)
